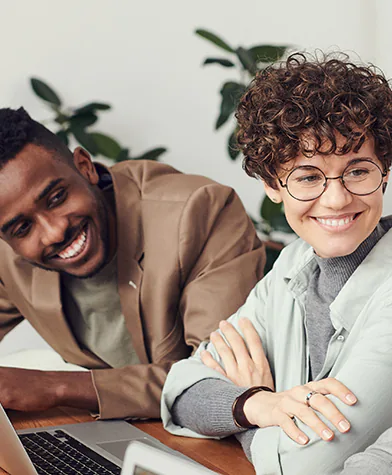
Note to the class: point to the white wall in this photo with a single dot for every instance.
(144, 59)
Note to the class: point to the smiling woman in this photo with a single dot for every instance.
(317, 132)
(335, 203)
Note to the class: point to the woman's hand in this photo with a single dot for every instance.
(247, 365)
(280, 409)
(244, 361)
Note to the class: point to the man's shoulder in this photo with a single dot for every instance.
(158, 181)
(10, 260)
(6, 250)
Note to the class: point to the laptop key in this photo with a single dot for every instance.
(61, 454)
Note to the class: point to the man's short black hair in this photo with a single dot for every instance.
(17, 129)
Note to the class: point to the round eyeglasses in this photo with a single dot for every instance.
(307, 183)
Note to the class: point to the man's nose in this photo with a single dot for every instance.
(53, 229)
(336, 196)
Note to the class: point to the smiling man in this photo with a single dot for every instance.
(122, 271)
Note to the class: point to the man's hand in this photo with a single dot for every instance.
(32, 390)
(244, 361)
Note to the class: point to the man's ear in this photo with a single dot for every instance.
(85, 166)
(273, 195)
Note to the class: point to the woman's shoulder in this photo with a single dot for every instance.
(295, 255)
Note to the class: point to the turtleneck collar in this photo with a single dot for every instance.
(337, 270)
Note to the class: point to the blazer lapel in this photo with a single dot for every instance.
(129, 253)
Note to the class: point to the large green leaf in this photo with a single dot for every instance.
(45, 92)
(279, 223)
(106, 145)
(269, 209)
(232, 145)
(214, 39)
(222, 61)
(81, 121)
(61, 118)
(246, 59)
(84, 139)
(267, 53)
(231, 93)
(63, 136)
(123, 155)
(92, 107)
(271, 254)
(153, 154)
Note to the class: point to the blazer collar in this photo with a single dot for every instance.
(130, 245)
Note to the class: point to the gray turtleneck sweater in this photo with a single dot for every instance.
(206, 406)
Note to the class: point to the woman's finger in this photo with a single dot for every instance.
(309, 417)
(262, 373)
(224, 352)
(288, 425)
(326, 407)
(253, 342)
(237, 344)
(334, 387)
(209, 361)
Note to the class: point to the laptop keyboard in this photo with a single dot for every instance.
(62, 454)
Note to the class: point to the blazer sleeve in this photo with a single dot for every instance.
(220, 260)
(10, 316)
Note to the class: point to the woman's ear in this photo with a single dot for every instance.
(272, 193)
(385, 183)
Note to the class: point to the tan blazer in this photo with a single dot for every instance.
(187, 257)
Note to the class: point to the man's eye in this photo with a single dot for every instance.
(22, 230)
(58, 198)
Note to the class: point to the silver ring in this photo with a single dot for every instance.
(293, 419)
(308, 396)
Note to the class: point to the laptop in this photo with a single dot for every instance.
(87, 448)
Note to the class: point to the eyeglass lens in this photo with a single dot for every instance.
(360, 178)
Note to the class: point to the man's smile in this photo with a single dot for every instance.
(75, 248)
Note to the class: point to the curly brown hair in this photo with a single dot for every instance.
(297, 106)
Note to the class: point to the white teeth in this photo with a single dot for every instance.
(335, 222)
(75, 248)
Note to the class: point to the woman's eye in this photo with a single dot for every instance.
(57, 198)
(358, 172)
(308, 179)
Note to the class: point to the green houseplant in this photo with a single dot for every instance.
(77, 122)
(246, 62)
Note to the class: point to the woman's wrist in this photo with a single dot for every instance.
(240, 414)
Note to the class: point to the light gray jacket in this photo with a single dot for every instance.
(359, 354)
